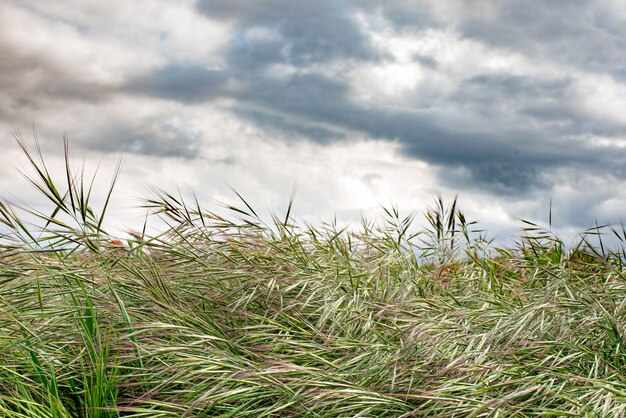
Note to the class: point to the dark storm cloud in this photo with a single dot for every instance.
(284, 126)
(552, 104)
(549, 102)
(296, 32)
(505, 155)
(187, 84)
(513, 88)
(503, 178)
(479, 130)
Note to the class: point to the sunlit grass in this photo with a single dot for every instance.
(225, 315)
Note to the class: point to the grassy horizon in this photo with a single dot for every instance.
(224, 315)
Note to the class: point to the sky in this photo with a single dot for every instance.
(362, 104)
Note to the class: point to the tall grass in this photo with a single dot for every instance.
(225, 315)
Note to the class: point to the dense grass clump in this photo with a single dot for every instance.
(225, 315)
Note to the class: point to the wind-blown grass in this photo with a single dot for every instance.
(224, 315)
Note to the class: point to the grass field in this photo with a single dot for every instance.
(225, 315)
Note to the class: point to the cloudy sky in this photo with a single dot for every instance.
(358, 104)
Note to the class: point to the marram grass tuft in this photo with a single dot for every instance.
(223, 315)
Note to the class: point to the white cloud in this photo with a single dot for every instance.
(602, 96)
(110, 40)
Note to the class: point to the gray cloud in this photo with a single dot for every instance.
(273, 123)
(426, 61)
(500, 148)
(503, 178)
(298, 33)
(585, 34)
(509, 88)
(408, 14)
(28, 82)
(580, 198)
(506, 155)
(187, 84)
(151, 139)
